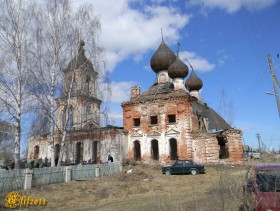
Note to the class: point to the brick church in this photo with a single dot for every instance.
(166, 122)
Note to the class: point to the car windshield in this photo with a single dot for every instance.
(268, 180)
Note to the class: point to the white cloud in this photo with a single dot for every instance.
(198, 63)
(223, 57)
(235, 5)
(131, 31)
(121, 91)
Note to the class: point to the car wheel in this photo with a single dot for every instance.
(193, 171)
(168, 172)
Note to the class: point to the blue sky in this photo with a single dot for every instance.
(226, 41)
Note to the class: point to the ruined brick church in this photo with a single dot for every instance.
(168, 121)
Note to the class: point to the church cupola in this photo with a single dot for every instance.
(194, 84)
(160, 61)
(178, 71)
(81, 74)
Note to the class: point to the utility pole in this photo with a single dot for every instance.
(259, 141)
(275, 82)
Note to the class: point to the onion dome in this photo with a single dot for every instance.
(178, 69)
(162, 58)
(80, 60)
(193, 82)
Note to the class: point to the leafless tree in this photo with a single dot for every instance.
(226, 108)
(15, 26)
(59, 29)
(53, 20)
(6, 141)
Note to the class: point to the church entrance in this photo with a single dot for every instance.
(154, 149)
(56, 153)
(137, 151)
(173, 149)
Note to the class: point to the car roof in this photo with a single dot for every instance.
(269, 166)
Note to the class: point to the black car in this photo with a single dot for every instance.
(183, 167)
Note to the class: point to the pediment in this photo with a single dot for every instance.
(172, 132)
(136, 134)
(153, 133)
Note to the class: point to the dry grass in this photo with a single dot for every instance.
(147, 189)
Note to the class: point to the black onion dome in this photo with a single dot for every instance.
(80, 60)
(162, 58)
(178, 69)
(193, 82)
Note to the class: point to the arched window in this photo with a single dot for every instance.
(137, 151)
(79, 152)
(87, 85)
(36, 152)
(94, 152)
(154, 149)
(88, 113)
(173, 149)
(69, 125)
(56, 153)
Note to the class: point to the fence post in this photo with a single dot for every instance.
(97, 171)
(67, 173)
(28, 179)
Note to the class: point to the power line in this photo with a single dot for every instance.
(252, 28)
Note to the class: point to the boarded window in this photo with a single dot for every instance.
(136, 122)
(171, 118)
(154, 120)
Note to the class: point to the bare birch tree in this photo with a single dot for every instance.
(50, 50)
(58, 31)
(15, 26)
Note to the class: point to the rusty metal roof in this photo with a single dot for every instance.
(216, 122)
(158, 91)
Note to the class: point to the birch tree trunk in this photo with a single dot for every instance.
(64, 134)
(16, 18)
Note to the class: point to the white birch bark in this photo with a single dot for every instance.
(16, 18)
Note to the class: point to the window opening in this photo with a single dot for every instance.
(136, 122)
(171, 118)
(154, 120)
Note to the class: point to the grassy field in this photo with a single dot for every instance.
(147, 189)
